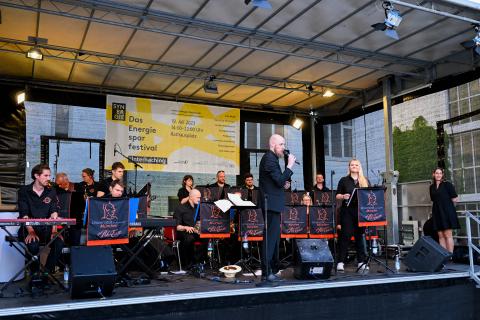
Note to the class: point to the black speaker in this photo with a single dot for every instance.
(92, 272)
(312, 259)
(426, 256)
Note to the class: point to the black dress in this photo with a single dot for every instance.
(443, 210)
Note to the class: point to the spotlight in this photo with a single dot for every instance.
(209, 86)
(329, 93)
(297, 123)
(391, 22)
(35, 54)
(264, 4)
(475, 42)
(20, 97)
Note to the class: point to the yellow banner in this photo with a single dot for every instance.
(172, 136)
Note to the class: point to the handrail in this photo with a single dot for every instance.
(471, 246)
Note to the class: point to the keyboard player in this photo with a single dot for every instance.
(39, 200)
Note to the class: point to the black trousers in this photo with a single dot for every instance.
(270, 263)
(44, 235)
(349, 223)
(189, 253)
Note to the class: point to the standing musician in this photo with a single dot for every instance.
(39, 200)
(272, 182)
(220, 184)
(88, 186)
(184, 191)
(348, 221)
(320, 183)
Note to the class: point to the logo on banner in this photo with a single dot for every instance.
(216, 213)
(325, 197)
(293, 214)
(294, 198)
(372, 199)
(322, 215)
(109, 212)
(47, 200)
(252, 216)
(119, 111)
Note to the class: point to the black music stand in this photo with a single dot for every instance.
(370, 255)
(245, 263)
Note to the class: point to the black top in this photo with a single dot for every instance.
(182, 193)
(272, 182)
(251, 194)
(34, 206)
(444, 215)
(89, 190)
(346, 185)
(184, 215)
(104, 186)
(221, 190)
(324, 189)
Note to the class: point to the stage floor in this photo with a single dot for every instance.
(170, 287)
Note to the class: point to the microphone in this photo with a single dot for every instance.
(332, 172)
(115, 149)
(286, 153)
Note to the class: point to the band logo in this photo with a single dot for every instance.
(119, 111)
(213, 222)
(294, 222)
(252, 224)
(107, 221)
(371, 207)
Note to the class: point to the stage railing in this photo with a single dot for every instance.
(472, 246)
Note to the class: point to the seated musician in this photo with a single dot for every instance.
(248, 185)
(39, 200)
(220, 184)
(306, 200)
(117, 174)
(88, 186)
(186, 232)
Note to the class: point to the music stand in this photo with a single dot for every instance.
(371, 212)
(245, 263)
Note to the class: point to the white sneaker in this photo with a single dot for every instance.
(340, 266)
(362, 267)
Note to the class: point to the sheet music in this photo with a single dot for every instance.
(237, 200)
(223, 204)
(351, 197)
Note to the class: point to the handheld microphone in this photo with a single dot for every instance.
(286, 153)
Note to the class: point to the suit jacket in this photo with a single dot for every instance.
(272, 181)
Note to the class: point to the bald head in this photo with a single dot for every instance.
(194, 197)
(277, 144)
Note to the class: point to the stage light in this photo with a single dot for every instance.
(35, 54)
(20, 97)
(328, 93)
(209, 86)
(297, 123)
(264, 4)
(391, 22)
(475, 42)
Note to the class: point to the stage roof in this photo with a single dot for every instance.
(284, 58)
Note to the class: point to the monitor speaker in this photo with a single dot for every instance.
(312, 259)
(92, 272)
(426, 256)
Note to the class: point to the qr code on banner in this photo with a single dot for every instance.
(119, 111)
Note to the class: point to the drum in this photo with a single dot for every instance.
(11, 261)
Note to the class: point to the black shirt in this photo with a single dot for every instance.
(346, 185)
(104, 186)
(89, 190)
(221, 190)
(34, 206)
(182, 193)
(184, 215)
(252, 194)
(325, 188)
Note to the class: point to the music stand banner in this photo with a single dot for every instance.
(322, 198)
(107, 221)
(294, 198)
(64, 200)
(294, 222)
(213, 222)
(252, 223)
(209, 194)
(371, 207)
(321, 222)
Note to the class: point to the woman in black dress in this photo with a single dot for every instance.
(443, 196)
(184, 191)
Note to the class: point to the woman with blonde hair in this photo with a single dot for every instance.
(348, 221)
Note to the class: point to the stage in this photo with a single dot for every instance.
(448, 294)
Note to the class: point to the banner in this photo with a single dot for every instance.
(294, 198)
(213, 222)
(371, 207)
(294, 222)
(251, 223)
(322, 197)
(171, 136)
(321, 222)
(107, 221)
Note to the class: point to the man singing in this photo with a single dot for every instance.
(39, 200)
(272, 181)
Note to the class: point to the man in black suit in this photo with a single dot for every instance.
(272, 181)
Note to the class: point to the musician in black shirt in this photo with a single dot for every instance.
(39, 200)
(88, 186)
(348, 221)
(320, 183)
(117, 174)
(186, 231)
(221, 185)
(184, 191)
(250, 187)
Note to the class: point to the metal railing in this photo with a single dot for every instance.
(472, 246)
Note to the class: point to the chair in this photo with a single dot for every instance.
(169, 235)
